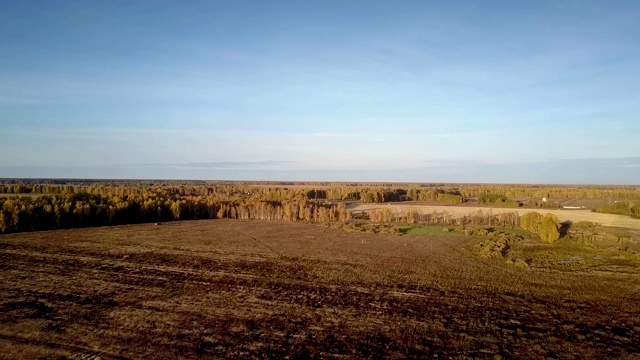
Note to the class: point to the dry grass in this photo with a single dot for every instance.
(237, 289)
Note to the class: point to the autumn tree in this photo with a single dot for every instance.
(546, 227)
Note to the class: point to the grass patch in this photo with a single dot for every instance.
(519, 232)
(568, 257)
(451, 231)
(430, 230)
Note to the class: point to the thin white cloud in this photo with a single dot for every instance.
(336, 135)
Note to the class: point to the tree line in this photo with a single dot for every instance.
(276, 191)
(552, 191)
(51, 212)
(497, 200)
(243, 192)
(628, 208)
(413, 216)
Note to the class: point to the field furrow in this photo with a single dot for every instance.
(277, 289)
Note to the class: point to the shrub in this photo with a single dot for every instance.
(546, 227)
(621, 208)
(497, 245)
(518, 263)
(498, 200)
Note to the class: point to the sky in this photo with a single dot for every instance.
(416, 91)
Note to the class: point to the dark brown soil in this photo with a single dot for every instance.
(237, 289)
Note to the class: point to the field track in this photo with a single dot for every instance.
(563, 215)
(250, 289)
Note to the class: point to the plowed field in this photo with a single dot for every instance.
(239, 289)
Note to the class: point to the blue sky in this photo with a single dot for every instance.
(455, 91)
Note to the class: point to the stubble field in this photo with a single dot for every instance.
(252, 289)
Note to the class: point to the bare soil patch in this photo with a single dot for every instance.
(252, 289)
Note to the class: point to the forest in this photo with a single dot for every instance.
(628, 208)
(325, 190)
(59, 204)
